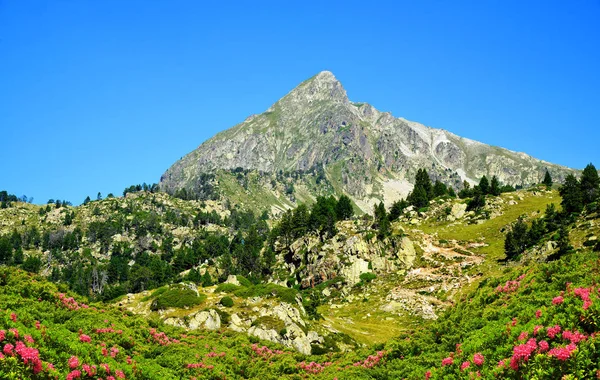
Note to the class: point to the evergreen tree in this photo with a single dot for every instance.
(477, 202)
(206, 279)
(484, 185)
(572, 198)
(422, 179)
(516, 240)
(87, 200)
(551, 218)
(418, 197)
(547, 180)
(563, 243)
(6, 250)
(439, 189)
(397, 209)
(495, 186)
(343, 208)
(590, 184)
(193, 276)
(382, 222)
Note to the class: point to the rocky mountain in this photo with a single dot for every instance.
(365, 153)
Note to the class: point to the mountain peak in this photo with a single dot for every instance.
(322, 87)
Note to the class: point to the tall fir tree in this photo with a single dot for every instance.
(484, 185)
(547, 179)
(590, 184)
(572, 197)
(495, 188)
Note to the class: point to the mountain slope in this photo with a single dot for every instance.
(367, 154)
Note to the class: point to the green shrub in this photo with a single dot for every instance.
(226, 301)
(367, 277)
(244, 281)
(177, 297)
(227, 288)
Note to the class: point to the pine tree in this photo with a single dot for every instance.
(564, 244)
(418, 197)
(548, 180)
(382, 221)
(422, 179)
(87, 200)
(590, 184)
(439, 189)
(484, 185)
(397, 209)
(343, 208)
(495, 188)
(572, 197)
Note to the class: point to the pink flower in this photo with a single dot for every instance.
(38, 325)
(544, 346)
(73, 363)
(558, 300)
(478, 359)
(8, 349)
(501, 363)
(447, 361)
(119, 374)
(536, 329)
(427, 375)
(538, 314)
(563, 353)
(13, 317)
(29, 339)
(523, 335)
(84, 338)
(552, 331)
(2, 335)
(465, 365)
(76, 374)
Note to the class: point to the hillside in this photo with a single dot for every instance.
(316, 134)
(529, 319)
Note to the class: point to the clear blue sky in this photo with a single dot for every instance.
(99, 95)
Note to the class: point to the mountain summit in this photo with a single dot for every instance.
(362, 152)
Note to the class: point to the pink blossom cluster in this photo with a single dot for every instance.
(574, 337)
(584, 294)
(558, 300)
(313, 368)
(200, 365)
(509, 287)
(478, 359)
(108, 330)
(70, 303)
(84, 338)
(213, 354)
(371, 360)
(265, 352)
(447, 361)
(522, 352)
(553, 331)
(563, 353)
(30, 356)
(162, 338)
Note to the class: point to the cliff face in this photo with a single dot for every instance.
(367, 154)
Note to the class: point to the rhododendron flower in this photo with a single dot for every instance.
(538, 314)
(552, 331)
(14, 332)
(38, 325)
(84, 338)
(119, 374)
(447, 361)
(13, 317)
(73, 362)
(478, 359)
(523, 336)
(563, 353)
(427, 375)
(2, 335)
(465, 365)
(76, 374)
(558, 300)
(8, 349)
(544, 346)
(29, 339)
(514, 321)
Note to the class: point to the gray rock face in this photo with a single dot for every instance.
(365, 153)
